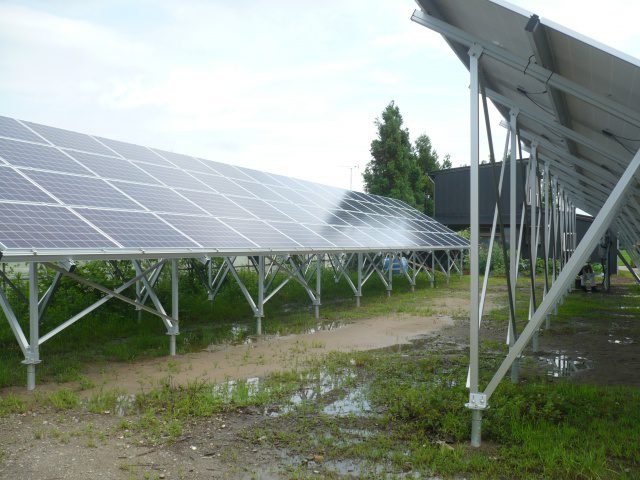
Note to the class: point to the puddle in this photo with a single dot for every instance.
(125, 404)
(617, 340)
(354, 403)
(561, 365)
(325, 327)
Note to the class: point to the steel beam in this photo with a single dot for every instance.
(33, 356)
(597, 229)
(474, 320)
(543, 75)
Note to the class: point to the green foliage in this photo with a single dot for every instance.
(399, 169)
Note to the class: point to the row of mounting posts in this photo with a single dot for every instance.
(298, 268)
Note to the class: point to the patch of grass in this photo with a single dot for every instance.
(113, 333)
(537, 429)
(12, 404)
(63, 399)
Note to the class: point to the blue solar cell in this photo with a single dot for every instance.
(136, 229)
(23, 154)
(47, 227)
(224, 185)
(173, 177)
(13, 129)
(302, 235)
(14, 186)
(82, 191)
(263, 234)
(113, 168)
(134, 152)
(158, 199)
(67, 139)
(209, 232)
(184, 161)
(217, 205)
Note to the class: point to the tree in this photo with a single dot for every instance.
(427, 159)
(399, 169)
(393, 170)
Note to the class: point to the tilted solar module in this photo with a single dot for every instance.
(68, 194)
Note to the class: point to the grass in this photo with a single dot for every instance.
(113, 332)
(538, 429)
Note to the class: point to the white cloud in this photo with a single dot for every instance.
(282, 86)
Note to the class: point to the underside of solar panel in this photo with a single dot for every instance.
(67, 194)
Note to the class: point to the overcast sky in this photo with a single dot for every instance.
(291, 87)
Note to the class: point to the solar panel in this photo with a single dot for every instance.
(226, 170)
(43, 226)
(262, 233)
(184, 161)
(260, 177)
(113, 168)
(116, 195)
(23, 154)
(261, 191)
(334, 235)
(82, 191)
(263, 210)
(173, 177)
(134, 152)
(217, 205)
(158, 199)
(13, 129)
(136, 229)
(67, 139)
(223, 185)
(302, 235)
(293, 196)
(14, 186)
(209, 232)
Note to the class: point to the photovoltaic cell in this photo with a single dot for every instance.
(14, 186)
(13, 129)
(113, 168)
(293, 196)
(297, 213)
(67, 139)
(224, 185)
(42, 226)
(261, 191)
(23, 154)
(184, 161)
(134, 152)
(136, 229)
(82, 191)
(263, 234)
(227, 170)
(334, 235)
(302, 235)
(263, 210)
(173, 177)
(208, 199)
(158, 199)
(217, 205)
(209, 232)
(260, 177)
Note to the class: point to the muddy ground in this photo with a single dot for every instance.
(56, 445)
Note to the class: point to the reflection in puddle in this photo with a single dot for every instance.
(125, 404)
(325, 327)
(616, 340)
(355, 403)
(563, 365)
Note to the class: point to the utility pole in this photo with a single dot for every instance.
(350, 167)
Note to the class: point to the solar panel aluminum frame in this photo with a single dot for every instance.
(571, 139)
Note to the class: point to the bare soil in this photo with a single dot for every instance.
(52, 445)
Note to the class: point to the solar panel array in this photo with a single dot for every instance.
(62, 190)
